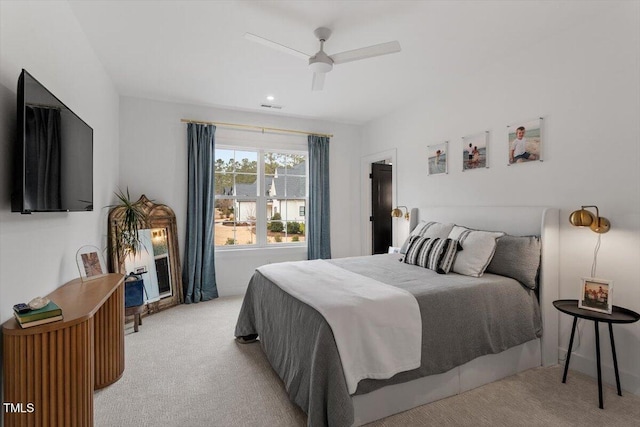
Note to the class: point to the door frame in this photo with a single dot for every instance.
(365, 196)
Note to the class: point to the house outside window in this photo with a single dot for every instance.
(260, 197)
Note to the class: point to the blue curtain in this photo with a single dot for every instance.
(198, 270)
(318, 219)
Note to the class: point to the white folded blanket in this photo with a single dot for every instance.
(377, 327)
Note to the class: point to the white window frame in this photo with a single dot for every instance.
(261, 199)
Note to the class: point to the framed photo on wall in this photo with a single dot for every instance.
(596, 295)
(525, 141)
(474, 151)
(437, 158)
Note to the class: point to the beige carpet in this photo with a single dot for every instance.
(184, 369)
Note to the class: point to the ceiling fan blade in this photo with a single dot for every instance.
(366, 52)
(318, 81)
(277, 46)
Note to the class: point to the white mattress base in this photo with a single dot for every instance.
(483, 370)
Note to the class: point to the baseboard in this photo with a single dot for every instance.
(588, 366)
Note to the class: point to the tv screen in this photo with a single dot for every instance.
(54, 154)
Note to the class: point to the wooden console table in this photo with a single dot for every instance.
(56, 367)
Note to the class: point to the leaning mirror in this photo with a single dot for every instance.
(158, 260)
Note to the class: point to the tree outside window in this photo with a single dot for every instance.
(260, 197)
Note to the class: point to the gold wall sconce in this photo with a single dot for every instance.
(584, 218)
(397, 212)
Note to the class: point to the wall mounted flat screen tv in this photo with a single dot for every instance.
(53, 168)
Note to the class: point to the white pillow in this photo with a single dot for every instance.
(431, 230)
(478, 248)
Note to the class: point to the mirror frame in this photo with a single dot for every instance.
(158, 216)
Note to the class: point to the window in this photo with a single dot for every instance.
(260, 197)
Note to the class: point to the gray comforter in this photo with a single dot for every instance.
(462, 318)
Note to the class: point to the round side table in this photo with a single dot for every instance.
(618, 315)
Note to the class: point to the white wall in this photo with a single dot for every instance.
(586, 85)
(38, 251)
(153, 161)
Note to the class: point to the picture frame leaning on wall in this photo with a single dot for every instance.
(90, 263)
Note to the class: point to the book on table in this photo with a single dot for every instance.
(37, 322)
(48, 311)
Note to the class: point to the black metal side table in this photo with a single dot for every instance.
(618, 315)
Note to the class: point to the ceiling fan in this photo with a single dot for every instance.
(321, 63)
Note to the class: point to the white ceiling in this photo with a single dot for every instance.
(194, 51)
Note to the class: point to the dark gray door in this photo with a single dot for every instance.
(381, 189)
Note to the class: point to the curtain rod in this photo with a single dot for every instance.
(262, 128)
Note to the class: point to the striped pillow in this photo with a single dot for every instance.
(435, 254)
(428, 229)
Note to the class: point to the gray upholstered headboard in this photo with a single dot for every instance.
(514, 220)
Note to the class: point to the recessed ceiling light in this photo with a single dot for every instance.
(270, 97)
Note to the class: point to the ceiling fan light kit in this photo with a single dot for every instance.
(321, 63)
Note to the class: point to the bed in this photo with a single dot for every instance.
(303, 349)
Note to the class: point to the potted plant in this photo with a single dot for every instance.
(125, 219)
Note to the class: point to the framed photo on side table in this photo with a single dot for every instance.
(90, 262)
(596, 295)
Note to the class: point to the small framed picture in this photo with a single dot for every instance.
(474, 151)
(437, 158)
(596, 295)
(90, 263)
(525, 141)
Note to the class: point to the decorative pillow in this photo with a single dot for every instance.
(434, 254)
(428, 229)
(517, 257)
(478, 246)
